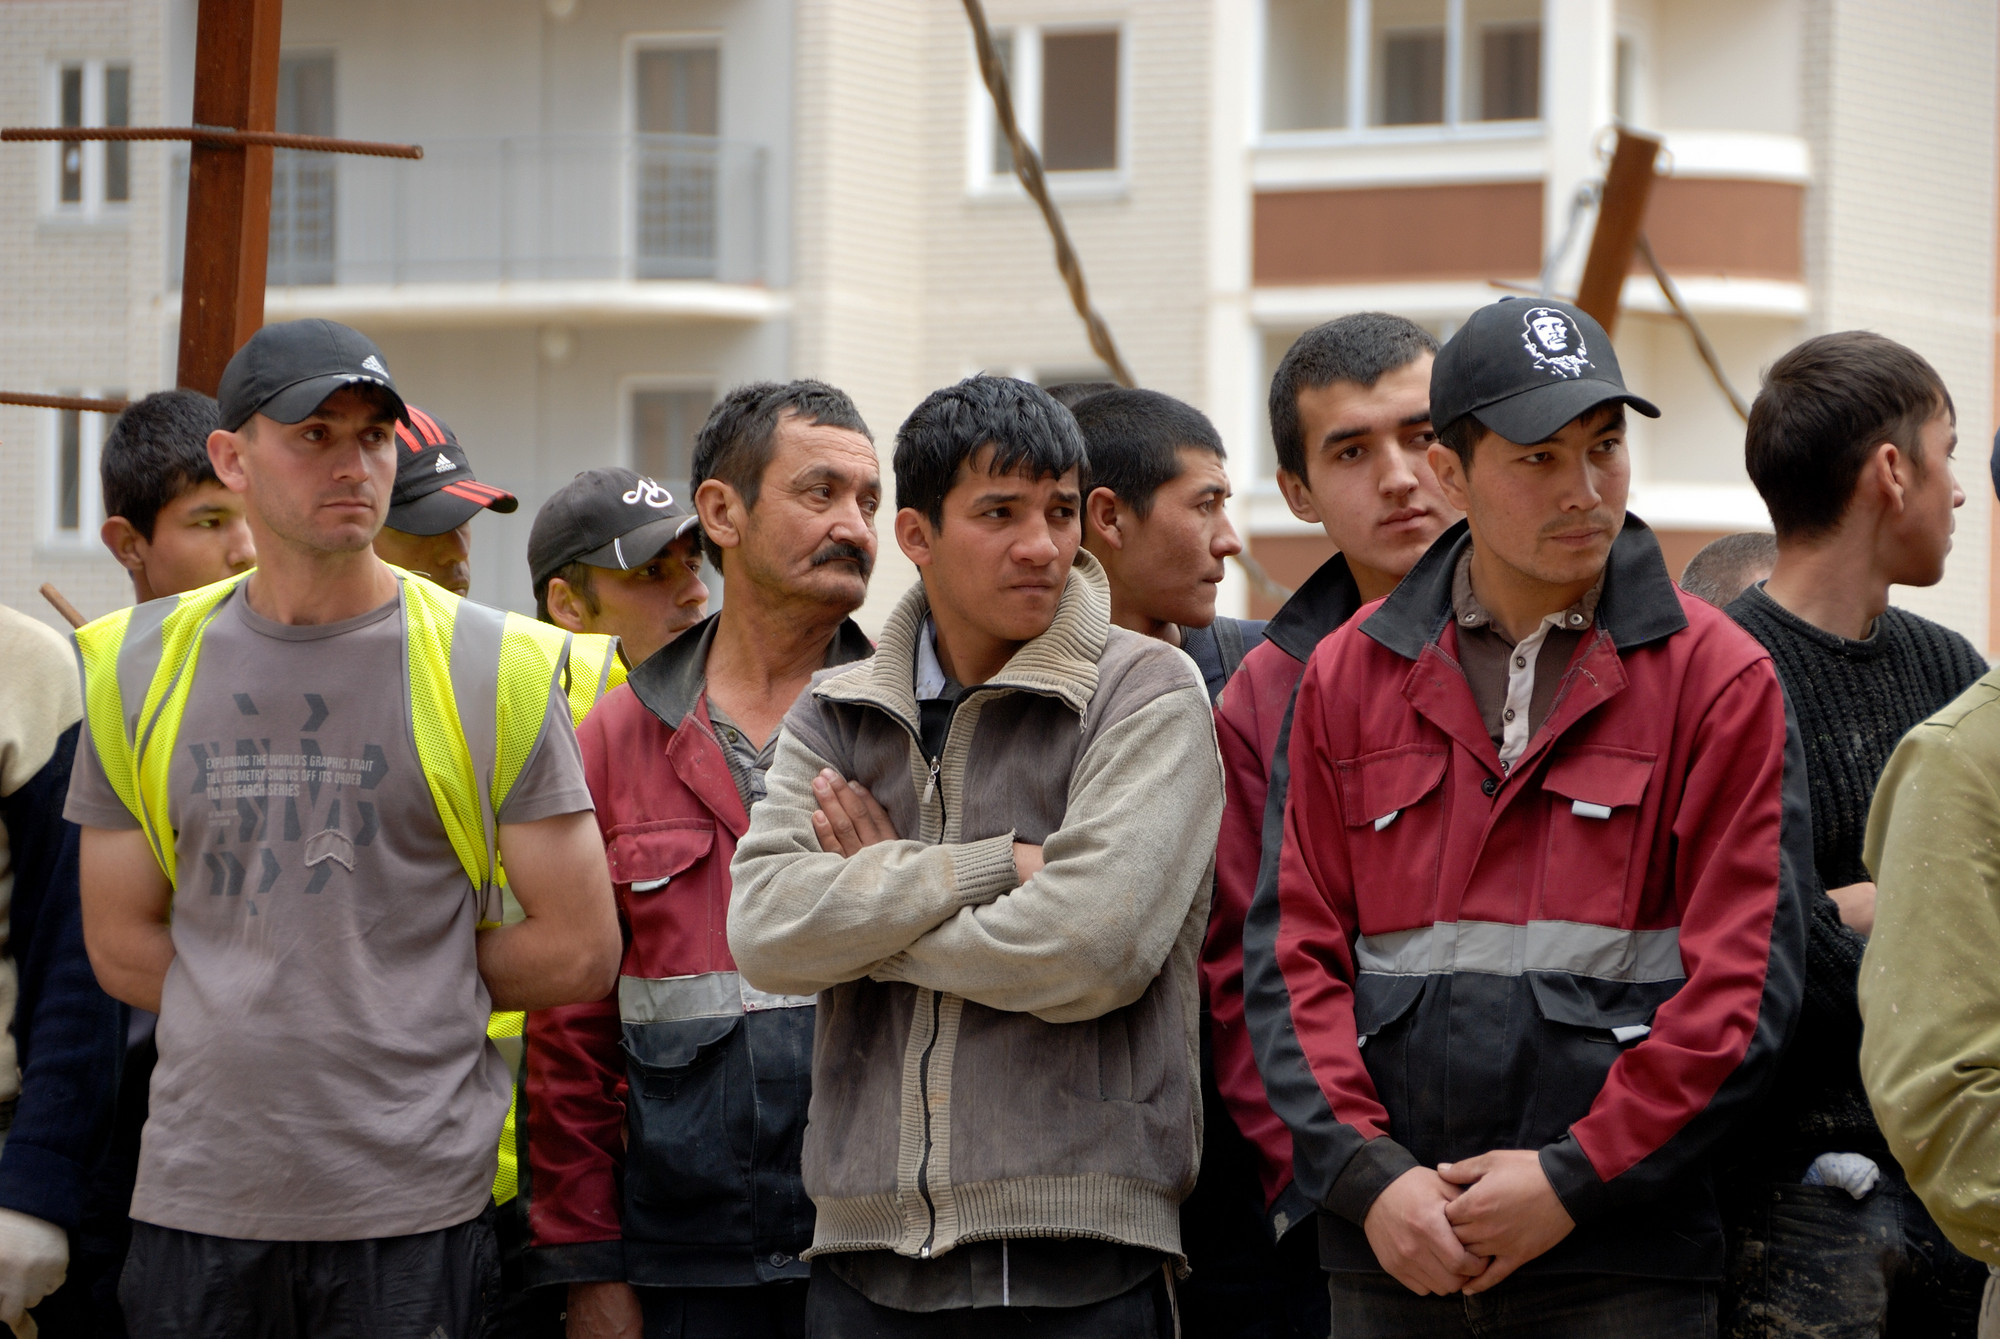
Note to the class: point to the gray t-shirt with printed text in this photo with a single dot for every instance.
(324, 1072)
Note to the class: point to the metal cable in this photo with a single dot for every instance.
(1028, 167)
(1701, 344)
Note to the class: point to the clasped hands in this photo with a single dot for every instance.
(849, 820)
(1467, 1225)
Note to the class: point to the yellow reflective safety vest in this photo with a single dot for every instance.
(595, 668)
(478, 681)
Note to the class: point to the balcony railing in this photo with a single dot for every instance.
(566, 207)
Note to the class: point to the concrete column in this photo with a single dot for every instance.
(1230, 355)
(1579, 66)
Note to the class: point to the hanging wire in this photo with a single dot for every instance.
(1028, 167)
(1580, 204)
(1700, 337)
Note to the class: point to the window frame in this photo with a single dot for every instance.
(635, 45)
(92, 206)
(1363, 96)
(1025, 86)
(92, 427)
(629, 389)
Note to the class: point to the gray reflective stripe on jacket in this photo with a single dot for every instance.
(670, 999)
(1601, 951)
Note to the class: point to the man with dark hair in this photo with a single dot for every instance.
(676, 1206)
(1154, 518)
(1004, 1079)
(1070, 394)
(612, 552)
(429, 530)
(294, 857)
(1850, 443)
(1536, 915)
(1351, 420)
(167, 519)
(1724, 568)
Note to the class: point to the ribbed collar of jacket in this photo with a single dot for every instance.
(670, 681)
(1639, 603)
(1061, 663)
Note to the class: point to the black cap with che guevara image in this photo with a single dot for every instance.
(1525, 367)
(286, 371)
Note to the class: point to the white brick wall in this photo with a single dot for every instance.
(79, 302)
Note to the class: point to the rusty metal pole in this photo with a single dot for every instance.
(229, 186)
(1621, 216)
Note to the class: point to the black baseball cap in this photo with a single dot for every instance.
(286, 371)
(611, 517)
(435, 489)
(1524, 367)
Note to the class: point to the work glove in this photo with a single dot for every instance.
(34, 1258)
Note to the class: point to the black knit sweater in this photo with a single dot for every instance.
(1854, 701)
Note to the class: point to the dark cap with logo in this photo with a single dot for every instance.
(286, 371)
(435, 489)
(1525, 367)
(611, 517)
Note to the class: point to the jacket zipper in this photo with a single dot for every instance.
(924, 1166)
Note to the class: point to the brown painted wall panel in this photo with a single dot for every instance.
(1742, 229)
(1479, 230)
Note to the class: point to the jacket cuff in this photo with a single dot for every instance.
(1574, 1180)
(983, 870)
(1367, 1174)
(1291, 1210)
(578, 1262)
(41, 1184)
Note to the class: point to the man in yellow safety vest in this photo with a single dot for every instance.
(297, 789)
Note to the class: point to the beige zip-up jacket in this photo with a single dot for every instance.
(995, 1059)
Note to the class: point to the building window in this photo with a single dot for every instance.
(677, 112)
(1065, 83)
(75, 505)
(91, 176)
(1346, 64)
(664, 421)
(304, 199)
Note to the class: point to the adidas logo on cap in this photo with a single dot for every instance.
(444, 465)
(374, 364)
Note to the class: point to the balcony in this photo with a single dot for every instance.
(538, 223)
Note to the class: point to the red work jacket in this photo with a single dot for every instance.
(1596, 954)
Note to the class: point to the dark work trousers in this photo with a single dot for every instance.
(1242, 1284)
(523, 1312)
(836, 1311)
(430, 1285)
(1815, 1260)
(767, 1311)
(1555, 1306)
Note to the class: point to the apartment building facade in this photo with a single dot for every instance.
(626, 206)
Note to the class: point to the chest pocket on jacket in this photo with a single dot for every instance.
(1396, 823)
(1593, 816)
(678, 925)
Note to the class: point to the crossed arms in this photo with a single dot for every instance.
(826, 892)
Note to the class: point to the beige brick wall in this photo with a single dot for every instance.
(79, 301)
(1900, 111)
(907, 281)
